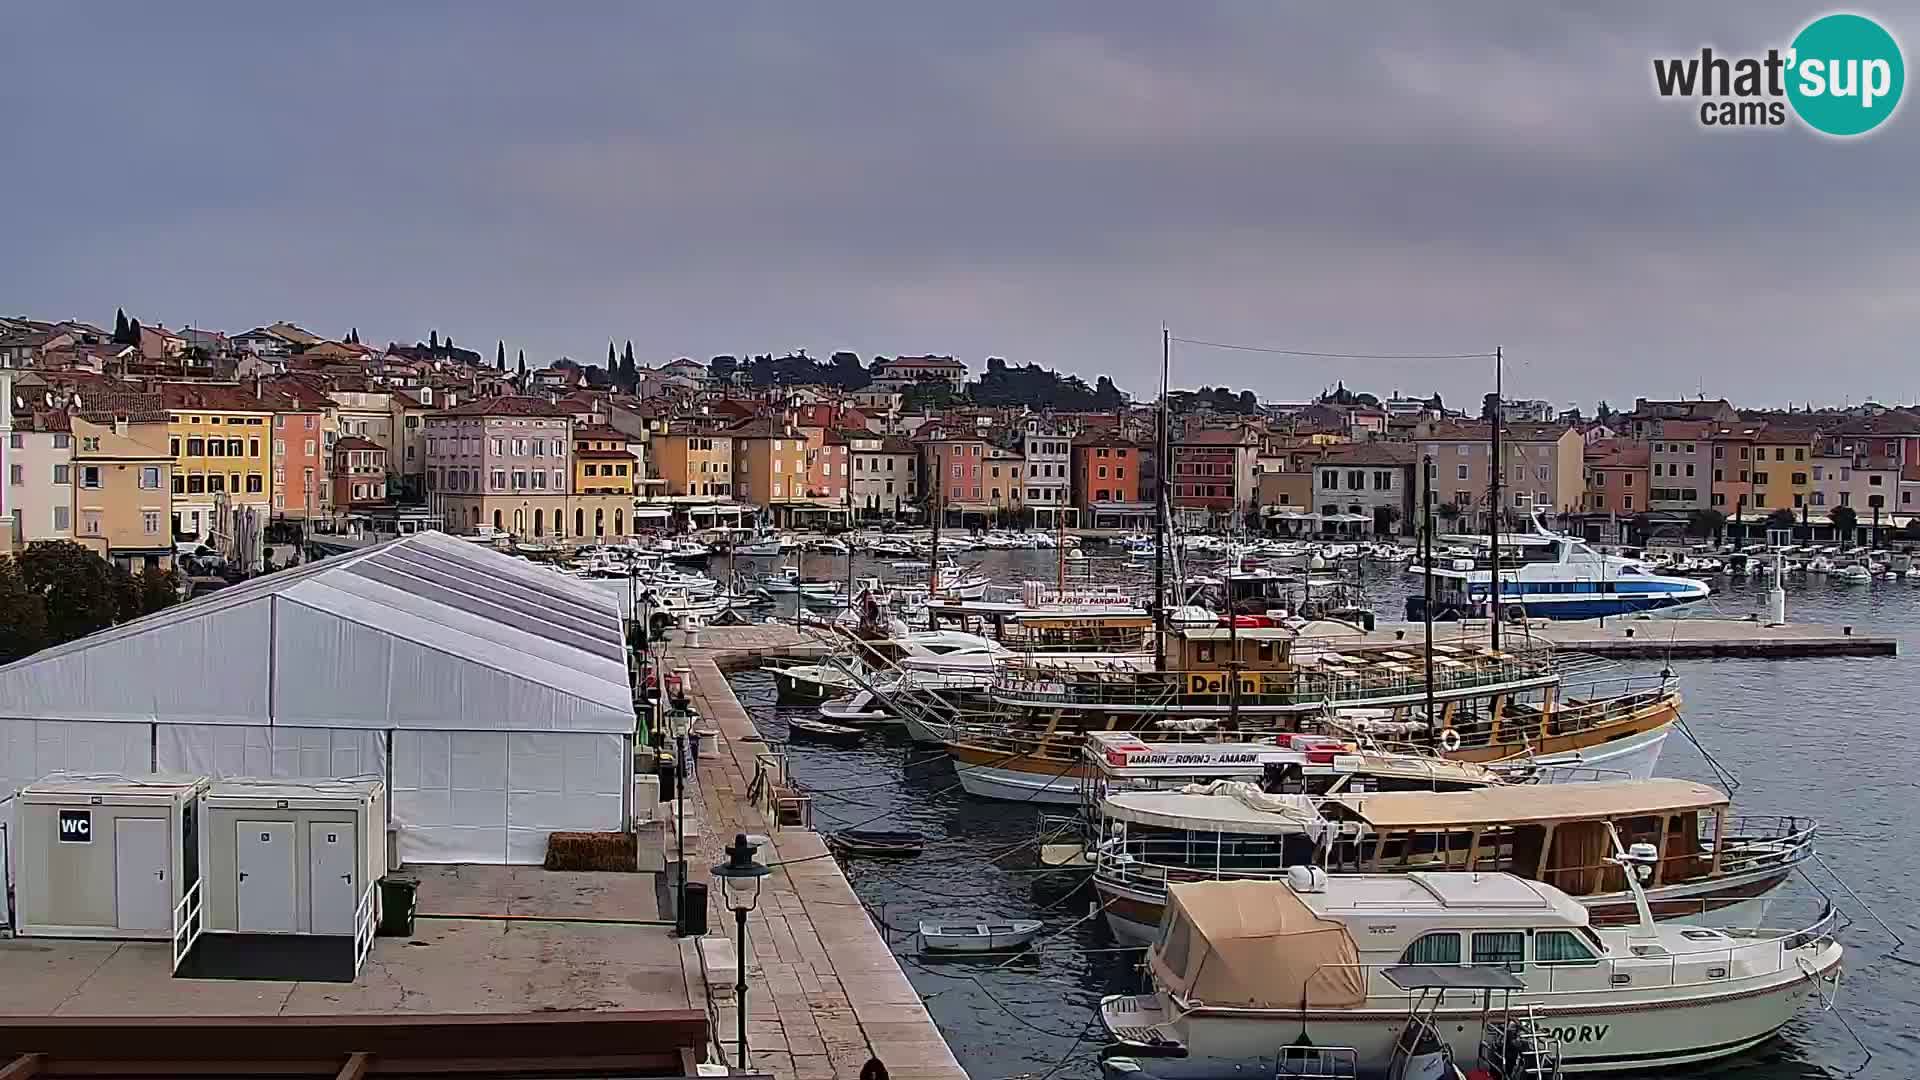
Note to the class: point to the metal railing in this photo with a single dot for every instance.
(187, 924)
(1029, 680)
(363, 927)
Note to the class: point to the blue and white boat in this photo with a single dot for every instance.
(1547, 575)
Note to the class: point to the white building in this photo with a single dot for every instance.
(1048, 448)
(39, 480)
(490, 694)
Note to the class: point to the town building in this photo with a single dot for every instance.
(123, 488)
(1372, 481)
(905, 372)
(953, 470)
(1106, 481)
(220, 436)
(1649, 416)
(1006, 483)
(500, 462)
(1544, 469)
(693, 458)
(39, 470)
(1047, 446)
(885, 477)
(1214, 474)
(769, 462)
(602, 465)
(359, 475)
(1680, 467)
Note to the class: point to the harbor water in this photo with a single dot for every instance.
(1826, 738)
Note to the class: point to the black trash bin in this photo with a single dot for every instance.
(693, 918)
(397, 899)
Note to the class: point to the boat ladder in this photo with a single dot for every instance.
(1518, 1047)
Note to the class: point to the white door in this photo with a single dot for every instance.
(141, 899)
(264, 854)
(334, 894)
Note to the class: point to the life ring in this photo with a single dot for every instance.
(1450, 740)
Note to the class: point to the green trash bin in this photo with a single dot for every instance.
(397, 898)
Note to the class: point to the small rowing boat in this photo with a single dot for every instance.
(800, 727)
(977, 937)
(898, 844)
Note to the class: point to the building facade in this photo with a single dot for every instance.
(220, 436)
(885, 479)
(501, 462)
(39, 471)
(1106, 481)
(1370, 480)
(1047, 446)
(1680, 466)
(693, 459)
(123, 489)
(1214, 473)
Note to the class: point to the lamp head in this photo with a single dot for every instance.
(740, 875)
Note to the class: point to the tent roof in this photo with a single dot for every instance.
(425, 631)
(1511, 804)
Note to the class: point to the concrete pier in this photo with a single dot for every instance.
(825, 990)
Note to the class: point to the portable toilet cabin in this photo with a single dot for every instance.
(104, 856)
(291, 873)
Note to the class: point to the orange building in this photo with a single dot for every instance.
(1618, 480)
(1106, 481)
(301, 465)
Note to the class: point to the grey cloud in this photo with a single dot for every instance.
(1044, 182)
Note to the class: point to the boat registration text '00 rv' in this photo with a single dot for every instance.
(1579, 1033)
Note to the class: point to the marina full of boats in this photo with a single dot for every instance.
(1363, 856)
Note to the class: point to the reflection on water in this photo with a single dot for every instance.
(1825, 738)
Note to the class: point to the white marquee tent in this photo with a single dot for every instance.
(491, 694)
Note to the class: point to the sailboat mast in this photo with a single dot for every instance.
(1165, 472)
(1426, 561)
(933, 556)
(1498, 467)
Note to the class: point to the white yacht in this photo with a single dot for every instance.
(1548, 575)
(924, 652)
(1241, 968)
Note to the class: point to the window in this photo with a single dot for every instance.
(1560, 947)
(253, 447)
(196, 485)
(195, 447)
(62, 474)
(90, 476)
(1508, 947)
(1599, 479)
(1819, 498)
(233, 447)
(62, 441)
(1689, 468)
(150, 477)
(62, 518)
(179, 484)
(151, 519)
(1779, 453)
(254, 484)
(173, 445)
(1874, 480)
(1459, 472)
(1434, 949)
(1626, 501)
(216, 482)
(1801, 478)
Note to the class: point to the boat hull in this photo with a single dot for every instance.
(810, 685)
(1022, 779)
(1641, 1031)
(1631, 758)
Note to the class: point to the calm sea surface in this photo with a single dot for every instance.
(1825, 738)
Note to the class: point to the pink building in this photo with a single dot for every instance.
(501, 462)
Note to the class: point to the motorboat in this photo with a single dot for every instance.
(977, 937)
(1711, 866)
(1243, 967)
(827, 545)
(1548, 575)
(1854, 574)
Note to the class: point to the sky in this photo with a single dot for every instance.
(1050, 183)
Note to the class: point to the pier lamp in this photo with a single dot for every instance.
(740, 880)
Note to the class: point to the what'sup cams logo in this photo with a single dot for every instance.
(1842, 76)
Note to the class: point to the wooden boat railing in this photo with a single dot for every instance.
(1029, 681)
(1147, 864)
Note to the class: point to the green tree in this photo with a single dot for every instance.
(159, 589)
(120, 326)
(23, 615)
(523, 369)
(133, 332)
(500, 356)
(1706, 523)
(1844, 520)
(433, 340)
(75, 585)
(1447, 512)
(629, 379)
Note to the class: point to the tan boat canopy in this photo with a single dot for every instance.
(1528, 804)
(1254, 945)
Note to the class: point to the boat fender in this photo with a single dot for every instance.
(1450, 739)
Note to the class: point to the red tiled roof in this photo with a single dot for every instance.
(214, 396)
(1372, 453)
(355, 442)
(600, 431)
(507, 405)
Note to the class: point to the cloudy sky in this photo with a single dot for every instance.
(1045, 182)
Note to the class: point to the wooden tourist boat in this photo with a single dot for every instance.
(1488, 707)
(1711, 866)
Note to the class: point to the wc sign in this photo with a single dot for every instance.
(76, 826)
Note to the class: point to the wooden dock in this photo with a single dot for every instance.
(826, 991)
(1662, 639)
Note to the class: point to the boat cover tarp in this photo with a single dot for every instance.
(1533, 803)
(1253, 944)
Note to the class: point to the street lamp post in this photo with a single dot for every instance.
(740, 880)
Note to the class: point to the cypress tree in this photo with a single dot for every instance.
(120, 326)
(500, 355)
(523, 369)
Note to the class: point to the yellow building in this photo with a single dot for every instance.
(769, 462)
(602, 465)
(122, 488)
(692, 461)
(220, 437)
(1782, 469)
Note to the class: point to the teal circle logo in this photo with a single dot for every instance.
(1846, 75)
